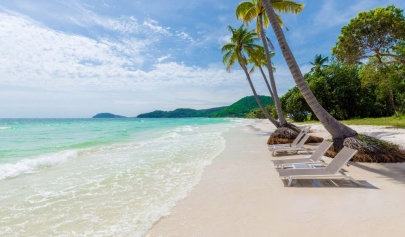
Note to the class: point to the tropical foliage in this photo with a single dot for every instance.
(389, 83)
(319, 62)
(376, 33)
(338, 88)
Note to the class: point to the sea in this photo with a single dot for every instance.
(100, 177)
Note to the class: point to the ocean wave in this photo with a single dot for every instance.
(184, 129)
(4, 128)
(149, 177)
(169, 135)
(30, 165)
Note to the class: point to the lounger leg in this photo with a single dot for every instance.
(289, 182)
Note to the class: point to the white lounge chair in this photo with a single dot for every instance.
(296, 148)
(331, 171)
(315, 158)
(296, 140)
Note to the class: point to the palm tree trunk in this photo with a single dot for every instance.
(273, 121)
(336, 129)
(267, 83)
(271, 75)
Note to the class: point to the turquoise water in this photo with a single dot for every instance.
(100, 177)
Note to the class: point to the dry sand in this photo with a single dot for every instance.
(240, 194)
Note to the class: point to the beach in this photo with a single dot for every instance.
(240, 194)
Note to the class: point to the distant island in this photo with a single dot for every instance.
(107, 115)
(238, 109)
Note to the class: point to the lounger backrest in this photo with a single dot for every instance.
(298, 138)
(318, 153)
(303, 140)
(340, 160)
(305, 129)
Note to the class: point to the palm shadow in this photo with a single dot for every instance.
(394, 172)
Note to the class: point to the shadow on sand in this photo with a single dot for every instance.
(327, 183)
(390, 170)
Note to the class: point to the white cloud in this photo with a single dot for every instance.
(161, 59)
(184, 36)
(224, 39)
(36, 56)
(153, 25)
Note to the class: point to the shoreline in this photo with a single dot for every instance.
(240, 194)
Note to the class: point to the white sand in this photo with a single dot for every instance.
(240, 194)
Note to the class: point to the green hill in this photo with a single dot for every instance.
(181, 113)
(243, 106)
(107, 115)
(238, 109)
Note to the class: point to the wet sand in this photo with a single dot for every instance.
(240, 194)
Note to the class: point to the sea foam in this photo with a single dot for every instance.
(30, 165)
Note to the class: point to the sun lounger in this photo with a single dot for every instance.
(331, 171)
(296, 140)
(296, 148)
(315, 158)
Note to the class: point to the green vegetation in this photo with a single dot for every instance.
(239, 109)
(181, 113)
(243, 106)
(354, 88)
(393, 121)
(379, 36)
(376, 33)
(339, 89)
(257, 113)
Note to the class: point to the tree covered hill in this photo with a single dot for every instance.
(181, 113)
(238, 109)
(243, 106)
(107, 115)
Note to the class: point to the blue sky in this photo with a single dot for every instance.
(76, 58)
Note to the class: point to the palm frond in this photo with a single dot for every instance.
(243, 42)
(251, 71)
(250, 15)
(270, 44)
(242, 8)
(287, 7)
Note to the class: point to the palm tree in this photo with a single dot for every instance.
(258, 61)
(249, 11)
(338, 131)
(319, 62)
(242, 43)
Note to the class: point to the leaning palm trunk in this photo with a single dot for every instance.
(271, 75)
(273, 121)
(338, 131)
(267, 83)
